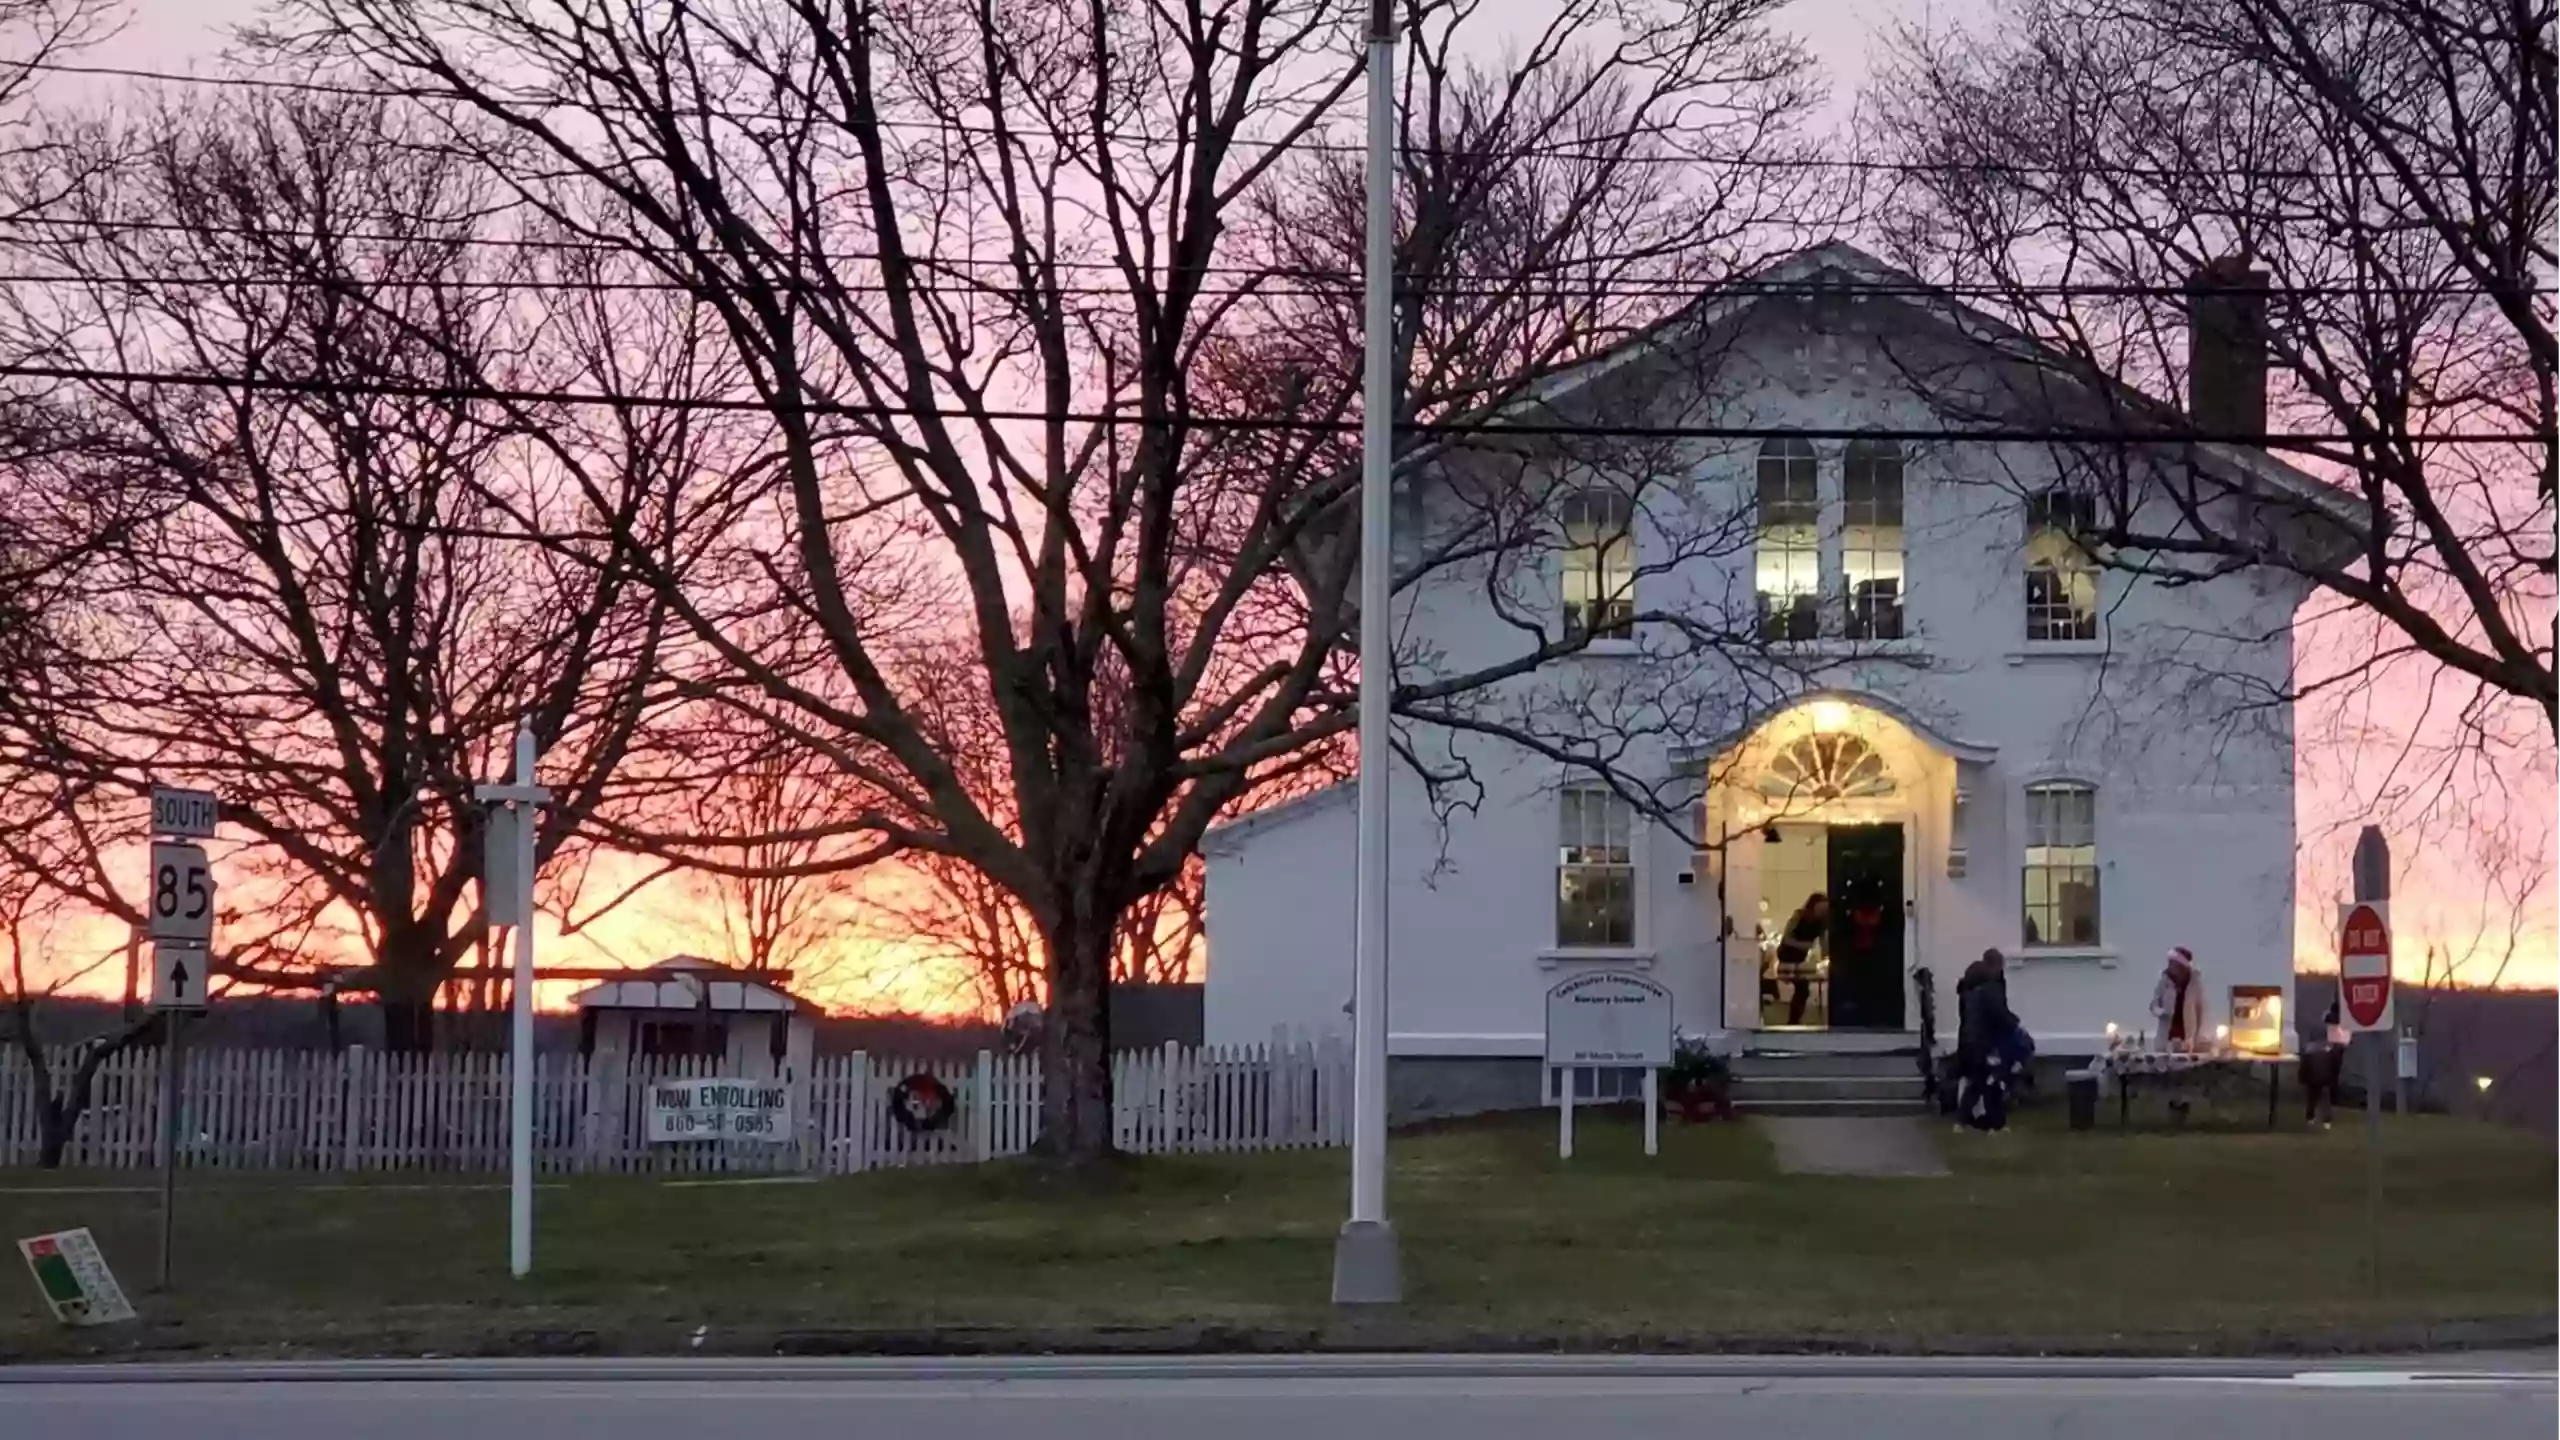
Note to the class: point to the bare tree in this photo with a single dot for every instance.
(44, 535)
(327, 615)
(2358, 191)
(782, 904)
(997, 278)
(38, 914)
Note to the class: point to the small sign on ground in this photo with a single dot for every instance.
(75, 1279)
(1609, 1018)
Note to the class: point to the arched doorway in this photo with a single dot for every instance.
(1834, 866)
(1844, 798)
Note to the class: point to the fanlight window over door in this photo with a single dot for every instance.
(1826, 767)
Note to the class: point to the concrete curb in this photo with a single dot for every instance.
(1276, 1367)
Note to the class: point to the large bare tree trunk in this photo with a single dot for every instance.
(1075, 1099)
(57, 1121)
(408, 975)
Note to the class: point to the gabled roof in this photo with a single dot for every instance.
(1223, 839)
(690, 982)
(1855, 269)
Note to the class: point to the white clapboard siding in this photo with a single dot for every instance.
(369, 1111)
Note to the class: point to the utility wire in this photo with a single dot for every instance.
(1347, 287)
(1474, 283)
(2014, 435)
(1577, 150)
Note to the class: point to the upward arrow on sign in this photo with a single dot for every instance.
(178, 973)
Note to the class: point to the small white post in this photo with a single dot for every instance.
(513, 833)
(982, 1105)
(858, 1103)
(1564, 1112)
(520, 1170)
(1652, 1111)
(133, 938)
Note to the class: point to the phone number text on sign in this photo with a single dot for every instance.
(744, 1110)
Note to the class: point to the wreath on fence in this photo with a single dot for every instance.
(922, 1103)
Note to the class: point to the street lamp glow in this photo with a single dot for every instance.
(2483, 1083)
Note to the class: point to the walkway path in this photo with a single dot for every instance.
(1853, 1144)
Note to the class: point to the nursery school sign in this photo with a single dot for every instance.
(718, 1110)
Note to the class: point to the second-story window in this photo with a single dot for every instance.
(1871, 538)
(2062, 576)
(1599, 565)
(1788, 552)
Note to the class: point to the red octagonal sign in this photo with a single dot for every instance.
(2364, 967)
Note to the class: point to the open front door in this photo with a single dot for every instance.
(1741, 868)
(1866, 927)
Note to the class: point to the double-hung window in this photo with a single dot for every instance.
(1595, 869)
(2062, 576)
(1788, 550)
(1871, 538)
(2061, 875)
(1599, 565)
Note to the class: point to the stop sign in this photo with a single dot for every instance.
(2364, 966)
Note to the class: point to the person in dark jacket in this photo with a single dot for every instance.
(1805, 929)
(1986, 1032)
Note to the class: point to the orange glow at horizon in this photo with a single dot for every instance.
(851, 973)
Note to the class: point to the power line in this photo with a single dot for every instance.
(1467, 283)
(1578, 150)
(1346, 287)
(2017, 435)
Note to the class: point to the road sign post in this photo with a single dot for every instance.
(173, 1024)
(179, 906)
(2364, 1003)
(506, 898)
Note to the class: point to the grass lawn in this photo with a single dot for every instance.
(2041, 1240)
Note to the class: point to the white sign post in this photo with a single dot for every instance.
(178, 901)
(506, 898)
(2364, 1002)
(1610, 1019)
(747, 1111)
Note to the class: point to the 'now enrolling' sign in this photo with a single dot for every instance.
(749, 1110)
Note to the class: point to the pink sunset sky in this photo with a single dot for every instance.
(2476, 889)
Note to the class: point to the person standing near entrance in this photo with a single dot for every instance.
(2177, 1002)
(1985, 1029)
(1805, 929)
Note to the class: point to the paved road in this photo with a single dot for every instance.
(768, 1405)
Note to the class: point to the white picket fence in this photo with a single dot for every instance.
(301, 1110)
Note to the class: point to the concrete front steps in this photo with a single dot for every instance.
(1772, 1081)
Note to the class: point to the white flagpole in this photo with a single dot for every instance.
(1365, 1266)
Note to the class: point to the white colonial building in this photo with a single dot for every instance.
(1836, 652)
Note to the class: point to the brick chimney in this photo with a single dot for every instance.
(2227, 348)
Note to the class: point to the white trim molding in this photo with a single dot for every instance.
(1496, 1046)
